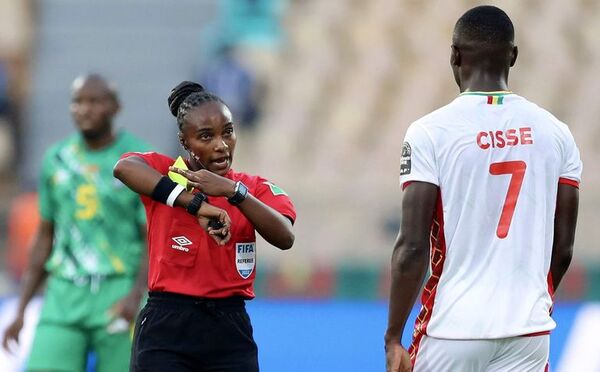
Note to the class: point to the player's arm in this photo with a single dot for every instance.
(127, 308)
(34, 277)
(410, 258)
(565, 222)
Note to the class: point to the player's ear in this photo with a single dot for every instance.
(455, 56)
(513, 56)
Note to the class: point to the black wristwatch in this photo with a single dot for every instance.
(195, 204)
(240, 194)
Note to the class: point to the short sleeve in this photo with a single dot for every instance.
(572, 166)
(46, 202)
(275, 197)
(155, 160)
(418, 157)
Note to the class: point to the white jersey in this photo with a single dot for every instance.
(497, 159)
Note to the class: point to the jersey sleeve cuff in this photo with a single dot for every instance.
(405, 184)
(568, 181)
(405, 181)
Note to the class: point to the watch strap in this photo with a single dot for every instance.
(194, 205)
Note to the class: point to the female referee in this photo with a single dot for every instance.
(202, 246)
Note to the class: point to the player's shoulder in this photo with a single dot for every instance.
(549, 119)
(131, 142)
(440, 116)
(65, 143)
(428, 125)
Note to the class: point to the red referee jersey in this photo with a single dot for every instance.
(184, 259)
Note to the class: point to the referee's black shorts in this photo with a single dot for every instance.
(181, 333)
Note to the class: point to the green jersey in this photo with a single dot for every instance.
(96, 218)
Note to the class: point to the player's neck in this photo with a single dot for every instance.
(481, 81)
(101, 141)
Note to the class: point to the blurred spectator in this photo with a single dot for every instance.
(23, 222)
(4, 96)
(228, 78)
(6, 130)
(7, 146)
(255, 22)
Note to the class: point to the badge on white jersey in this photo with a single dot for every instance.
(245, 258)
(405, 159)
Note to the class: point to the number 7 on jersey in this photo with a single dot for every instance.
(517, 171)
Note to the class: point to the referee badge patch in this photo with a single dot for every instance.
(245, 258)
(275, 190)
(405, 159)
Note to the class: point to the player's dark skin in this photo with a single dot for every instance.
(93, 106)
(476, 67)
(208, 135)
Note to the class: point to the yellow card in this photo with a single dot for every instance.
(176, 177)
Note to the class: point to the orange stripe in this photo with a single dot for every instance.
(414, 348)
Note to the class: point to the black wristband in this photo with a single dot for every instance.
(195, 204)
(163, 190)
(240, 194)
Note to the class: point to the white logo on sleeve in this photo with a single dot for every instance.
(182, 242)
(245, 258)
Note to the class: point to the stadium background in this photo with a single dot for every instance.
(326, 90)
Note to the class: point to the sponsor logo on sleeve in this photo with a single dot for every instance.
(245, 258)
(405, 159)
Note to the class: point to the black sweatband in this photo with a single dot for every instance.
(163, 189)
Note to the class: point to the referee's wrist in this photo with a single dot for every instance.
(184, 199)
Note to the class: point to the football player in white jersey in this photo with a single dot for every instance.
(490, 203)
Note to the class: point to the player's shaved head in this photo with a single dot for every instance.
(485, 26)
(94, 103)
(483, 44)
(96, 79)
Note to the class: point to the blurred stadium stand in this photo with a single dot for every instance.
(340, 81)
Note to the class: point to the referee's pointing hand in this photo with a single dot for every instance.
(208, 182)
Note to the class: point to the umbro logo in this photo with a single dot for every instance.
(181, 243)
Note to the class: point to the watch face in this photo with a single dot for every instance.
(241, 191)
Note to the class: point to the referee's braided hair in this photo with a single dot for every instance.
(187, 95)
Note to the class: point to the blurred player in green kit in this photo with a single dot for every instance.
(90, 244)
